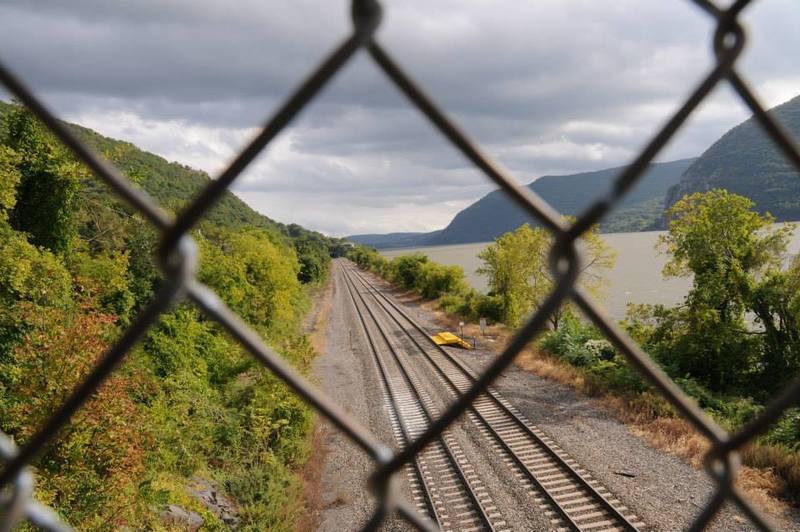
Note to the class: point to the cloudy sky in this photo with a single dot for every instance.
(551, 86)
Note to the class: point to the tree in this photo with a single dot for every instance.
(776, 305)
(256, 276)
(406, 269)
(9, 179)
(517, 267)
(49, 179)
(733, 254)
(312, 252)
(437, 279)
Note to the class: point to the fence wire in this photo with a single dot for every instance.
(177, 257)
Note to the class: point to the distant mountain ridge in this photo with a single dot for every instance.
(495, 213)
(745, 161)
(393, 240)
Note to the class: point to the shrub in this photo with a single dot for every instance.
(406, 270)
(786, 431)
(581, 344)
(434, 280)
(105, 275)
(487, 306)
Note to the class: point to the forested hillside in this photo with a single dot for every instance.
(173, 184)
(76, 267)
(745, 161)
(495, 214)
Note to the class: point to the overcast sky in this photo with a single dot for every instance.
(557, 86)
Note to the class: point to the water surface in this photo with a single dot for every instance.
(636, 278)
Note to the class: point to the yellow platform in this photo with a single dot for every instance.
(446, 338)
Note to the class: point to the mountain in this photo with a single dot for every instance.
(392, 240)
(495, 214)
(171, 184)
(746, 162)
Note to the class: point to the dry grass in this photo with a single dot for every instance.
(316, 333)
(311, 479)
(763, 479)
(311, 473)
(651, 418)
(767, 472)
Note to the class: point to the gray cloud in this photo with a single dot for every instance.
(545, 87)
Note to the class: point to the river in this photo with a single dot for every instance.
(636, 278)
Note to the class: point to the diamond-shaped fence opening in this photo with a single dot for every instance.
(178, 259)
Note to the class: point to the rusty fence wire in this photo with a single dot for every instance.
(177, 257)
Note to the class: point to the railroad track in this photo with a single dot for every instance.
(443, 483)
(570, 497)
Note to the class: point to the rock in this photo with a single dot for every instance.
(215, 501)
(175, 515)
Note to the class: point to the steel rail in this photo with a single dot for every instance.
(394, 405)
(480, 511)
(497, 437)
(491, 395)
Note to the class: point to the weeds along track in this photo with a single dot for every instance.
(566, 492)
(443, 483)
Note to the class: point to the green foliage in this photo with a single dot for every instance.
(786, 431)
(369, 259)
(89, 472)
(48, 181)
(313, 252)
(747, 162)
(74, 269)
(518, 271)
(775, 301)
(516, 267)
(582, 345)
(256, 276)
(104, 276)
(729, 365)
(432, 281)
(436, 280)
(405, 270)
(141, 240)
(729, 250)
(29, 273)
(9, 179)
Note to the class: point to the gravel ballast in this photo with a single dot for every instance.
(665, 492)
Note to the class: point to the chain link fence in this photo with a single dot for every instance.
(177, 257)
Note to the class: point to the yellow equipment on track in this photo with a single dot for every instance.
(446, 338)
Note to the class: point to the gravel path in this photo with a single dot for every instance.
(347, 375)
(661, 489)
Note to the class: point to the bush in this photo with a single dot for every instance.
(453, 304)
(581, 344)
(786, 431)
(30, 273)
(434, 280)
(369, 259)
(105, 275)
(485, 306)
(406, 270)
